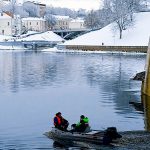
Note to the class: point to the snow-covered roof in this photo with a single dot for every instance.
(77, 20)
(61, 17)
(46, 36)
(33, 19)
(4, 16)
(138, 35)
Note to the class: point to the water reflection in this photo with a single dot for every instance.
(80, 146)
(144, 107)
(24, 70)
(112, 77)
(146, 104)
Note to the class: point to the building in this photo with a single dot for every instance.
(76, 24)
(62, 22)
(6, 24)
(34, 24)
(67, 23)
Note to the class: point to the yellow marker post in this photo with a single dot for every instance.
(146, 82)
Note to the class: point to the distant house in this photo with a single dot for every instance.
(65, 22)
(6, 23)
(76, 24)
(62, 22)
(34, 24)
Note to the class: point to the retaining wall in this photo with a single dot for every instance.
(108, 48)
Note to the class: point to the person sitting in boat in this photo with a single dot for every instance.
(82, 126)
(60, 122)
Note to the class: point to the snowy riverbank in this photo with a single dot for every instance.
(138, 35)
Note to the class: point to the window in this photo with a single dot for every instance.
(3, 32)
(30, 23)
(37, 23)
(8, 23)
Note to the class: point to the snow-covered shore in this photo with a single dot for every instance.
(5, 47)
(55, 50)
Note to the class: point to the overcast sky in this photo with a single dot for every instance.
(73, 4)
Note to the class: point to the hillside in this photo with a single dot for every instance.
(138, 35)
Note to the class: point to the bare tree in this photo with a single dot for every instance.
(31, 9)
(91, 20)
(122, 15)
(51, 21)
(61, 11)
(11, 7)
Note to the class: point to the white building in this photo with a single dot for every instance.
(65, 22)
(76, 24)
(62, 22)
(6, 23)
(34, 24)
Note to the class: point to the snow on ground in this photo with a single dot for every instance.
(4, 38)
(46, 36)
(138, 35)
(29, 33)
(6, 47)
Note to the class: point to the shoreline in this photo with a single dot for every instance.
(105, 48)
(134, 140)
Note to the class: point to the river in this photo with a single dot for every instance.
(34, 86)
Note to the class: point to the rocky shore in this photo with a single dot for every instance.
(134, 140)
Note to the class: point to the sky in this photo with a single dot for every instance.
(74, 4)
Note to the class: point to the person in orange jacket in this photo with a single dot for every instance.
(60, 122)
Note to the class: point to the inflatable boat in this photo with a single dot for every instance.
(95, 137)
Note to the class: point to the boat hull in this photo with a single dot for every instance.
(94, 137)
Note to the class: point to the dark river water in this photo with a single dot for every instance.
(34, 86)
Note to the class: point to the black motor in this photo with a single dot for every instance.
(110, 134)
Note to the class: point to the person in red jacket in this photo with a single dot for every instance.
(60, 122)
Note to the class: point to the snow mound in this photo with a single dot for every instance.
(138, 35)
(46, 36)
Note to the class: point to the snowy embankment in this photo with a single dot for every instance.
(46, 36)
(138, 35)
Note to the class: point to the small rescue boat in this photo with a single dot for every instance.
(95, 137)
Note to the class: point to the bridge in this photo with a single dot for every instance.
(69, 34)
